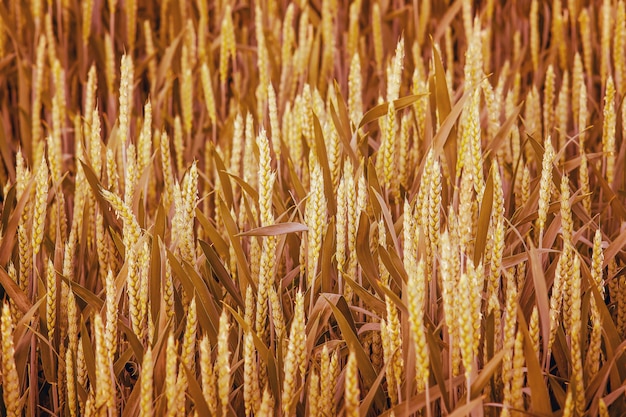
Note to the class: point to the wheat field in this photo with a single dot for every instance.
(317, 208)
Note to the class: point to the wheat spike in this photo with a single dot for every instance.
(40, 206)
(147, 373)
(352, 392)
(223, 362)
(10, 379)
(585, 34)
(608, 131)
(296, 355)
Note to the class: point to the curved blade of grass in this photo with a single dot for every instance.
(395, 299)
(155, 280)
(608, 193)
(442, 141)
(485, 374)
(344, 136)
(364, 255)
(539, 398)
(244, 186)
(417, 402)
(504, 131)
(165, 65)
(264, 352)
(214, 236)
(365, 366)
(327, 253)
(322, 157)
(395, 269)
(132, 402)
(381, 110)
(9, 200)
(9, 232)
(436, 365)
(133, 340)
(368, 298)
(208, 317)
(93, 181)
(610, 333)
(276, 229)
(343, 109)
(541, 293)
(483, 221)
(366, 403)
(88, 352)
(232, 230)
(384, 210)
(227, 189)
(295, 182)
(84, 294)
(195, 392)
(614, 248)
(14, 292)
(221, 273)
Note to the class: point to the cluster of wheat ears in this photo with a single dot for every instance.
(314, 208)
